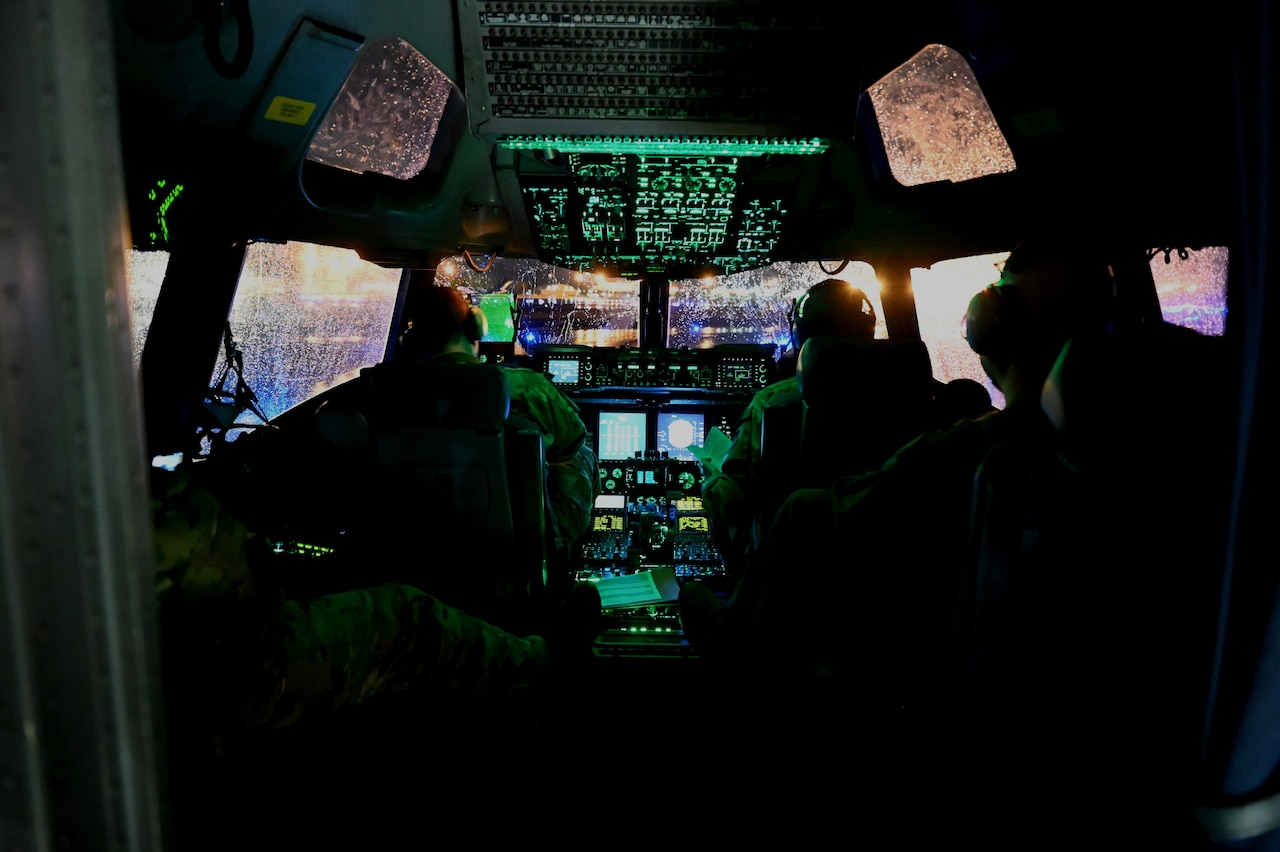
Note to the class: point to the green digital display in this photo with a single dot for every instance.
(161, 197)
(684, 215)
(666, 146)
(499, 315)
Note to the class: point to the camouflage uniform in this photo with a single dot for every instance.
(886, 552)
(731, 496)
(573, 478)
(240, 659)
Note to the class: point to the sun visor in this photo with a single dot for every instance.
(310, 72)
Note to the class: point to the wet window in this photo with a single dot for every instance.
(144, 271)
(942, 294)
(385, 118)
(936, 123)
(306, 318)
(554, 305)
(754, 306)
(1192, 286)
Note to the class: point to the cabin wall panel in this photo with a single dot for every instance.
(79, 765)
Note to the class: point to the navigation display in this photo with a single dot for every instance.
(563, 371)
(678, 431)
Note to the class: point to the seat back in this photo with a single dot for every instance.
(779, 465)
(862, 400)
(436, 394)
(463, 485)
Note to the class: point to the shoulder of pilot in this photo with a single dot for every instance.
(523, 381)
(927, 455)
(536, 399)
(780, 392)
(201, 551)
(962, 443)
(523, 377)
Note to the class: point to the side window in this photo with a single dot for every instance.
(386, 116)
(1192, 287)
(942, 295)
(935, 122)
(306, 318)
(144, 270)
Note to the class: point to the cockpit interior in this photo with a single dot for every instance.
(634, 195)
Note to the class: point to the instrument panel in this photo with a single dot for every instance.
(727, 368)
(649, 515)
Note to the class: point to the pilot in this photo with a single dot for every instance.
(446, 326)
(887, 547)
(830, 308)
(240, 659)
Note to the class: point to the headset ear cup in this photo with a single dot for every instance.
(997, 322)
(476, 326)
(408, 345)
(870, 316)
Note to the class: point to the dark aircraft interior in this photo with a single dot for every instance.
(635, 194)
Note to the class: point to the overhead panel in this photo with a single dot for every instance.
(652, 137)
(669, 216)
(601, 68)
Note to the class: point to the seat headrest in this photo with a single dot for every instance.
(439, 393)
(1109, 395)
(833, 370)
(341, 427)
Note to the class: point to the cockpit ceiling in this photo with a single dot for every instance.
(666, 137)
(681, 68)
(652, 137)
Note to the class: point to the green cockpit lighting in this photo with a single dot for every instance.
(162, 195)
(696, 146)
(659, 212)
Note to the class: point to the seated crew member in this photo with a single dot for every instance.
(240, 659)
(961, 399)
(884, 550)
(446, 326)
(830, 308)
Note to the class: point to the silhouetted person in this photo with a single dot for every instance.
(961, 399)
(447, 327)
(830, 308)
(863, 577)
(241, 659)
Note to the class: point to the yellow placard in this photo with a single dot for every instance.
(290, 110)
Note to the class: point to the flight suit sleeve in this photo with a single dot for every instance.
(573, 478)
(239, 659)
(730, 495)
(558, 417)
(572, 486)
(208, 591)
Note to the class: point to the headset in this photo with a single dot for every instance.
(826, 309)
(455, 312)
(998, 322)
(1006, 320)
(1001, 322)
(476, 325)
